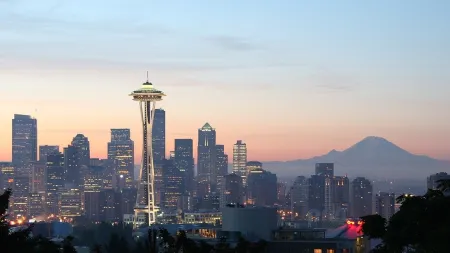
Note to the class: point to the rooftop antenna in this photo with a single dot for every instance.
(147, 76)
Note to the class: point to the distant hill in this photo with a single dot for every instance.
(373, 157)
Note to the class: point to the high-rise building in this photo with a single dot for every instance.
(362, 197)
(6, 176)
(253, 165)
(54, 183)
(72, 166)
(325, 169)
(159, 136)
(340, 197)
(299, 198)
(232, 190)
(221, 167)
(24, 140)
(147, 96)
(261, 188)
(316, 193)
(45, 150)
(184, 161)
(240, 160)
(121, 154)
(82, 142)
(221, 161)
(38, 176)
(35, 206)
(173, 185)
(70, 203)
(385, 204)
(93, 185)
(206, 161)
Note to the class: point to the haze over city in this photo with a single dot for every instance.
(294, 79)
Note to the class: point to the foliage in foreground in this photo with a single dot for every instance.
(422, 225)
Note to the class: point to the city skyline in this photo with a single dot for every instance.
(341, 73)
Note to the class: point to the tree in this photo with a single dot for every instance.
(422, 224)
(17, 241)
(67, 245)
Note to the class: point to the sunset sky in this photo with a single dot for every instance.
(292, 79)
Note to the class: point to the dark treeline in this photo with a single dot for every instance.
(422, 225)
(107, 238)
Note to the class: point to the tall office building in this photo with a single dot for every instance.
(261, 188)
(385, 204)
(6, 176)
(82, 142)
(362, 197)
(70, 202)
(221, 161)
(316, 193)
(93, 185)
(221, 167)
(24, 140)
(232, 190)
(45, 150)
(72, 166)
(54, 183)
(325, 169)
(240, 160)
(184, 161)
(206, 161)
(159, 136)
(340, 197)
(38, 176)
(173, 184)
(253, 165)
(121, 154)
(299, 198)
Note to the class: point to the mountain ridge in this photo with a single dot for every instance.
(373, 156)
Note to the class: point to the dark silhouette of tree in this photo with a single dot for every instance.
(97, 248)
(422, 224)
(117, 244)
(17, 241)
(242, 245)
(67, 245)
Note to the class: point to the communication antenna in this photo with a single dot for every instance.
(147, 76)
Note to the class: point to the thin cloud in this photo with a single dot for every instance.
(232, 43)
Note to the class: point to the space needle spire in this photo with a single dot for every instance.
(145, 208)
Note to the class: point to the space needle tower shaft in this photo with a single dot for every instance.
(147, 96)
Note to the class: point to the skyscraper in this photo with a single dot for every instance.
(261, 188)
(362, 197)
(385, 204)
(206, 160)
(82, 142)
(159, 136)
(121, 154)
(6, 176)
(433, 180)
(221, 161)
(46, 150)
(240, 160)
(232, 190)
(55, 182)
(299, 197)
(72, 166)
(24, 140)
(173, 184)
(184, 161)
(147, 96)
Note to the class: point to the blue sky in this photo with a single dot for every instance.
(374, 66)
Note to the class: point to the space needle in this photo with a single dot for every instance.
(147, 96)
